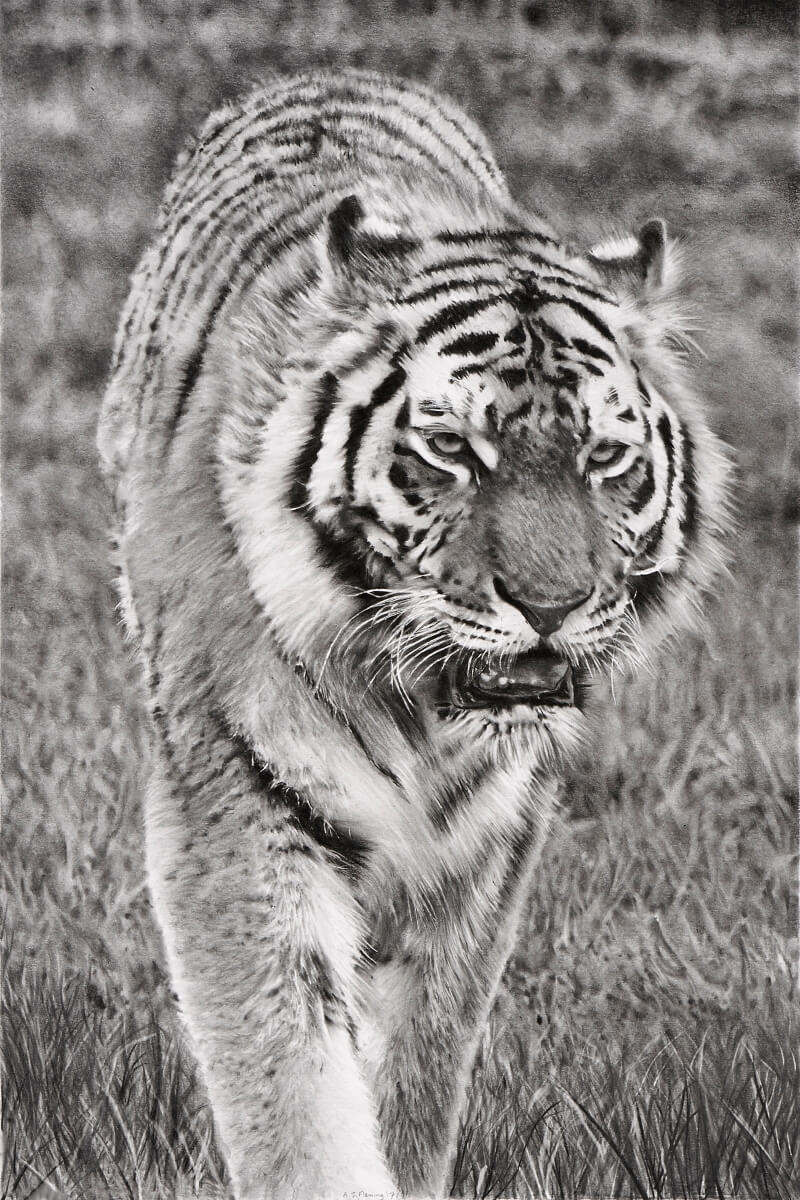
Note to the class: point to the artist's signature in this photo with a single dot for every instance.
(371, 1196)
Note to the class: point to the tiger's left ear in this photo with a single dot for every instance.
(364, 249)
(633, 263)
(643, 272)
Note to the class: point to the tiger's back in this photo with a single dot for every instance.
(395, 471)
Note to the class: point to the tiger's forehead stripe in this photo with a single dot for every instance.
(458, 283)
(451, 316)
(473, 343)
(566, 278)
(471, 328)
(458, 264)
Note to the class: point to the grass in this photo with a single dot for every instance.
(97, 1104)
(675, 1123)
(644, 1041)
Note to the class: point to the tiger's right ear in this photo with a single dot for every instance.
(367, 250)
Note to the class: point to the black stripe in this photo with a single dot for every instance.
(590, 350)
(257, 179)
(520, 413)
(345, 722)
(688, 522)
(456, 264)
(352, 105)
(316, 979)
(470, 343)
(456, 794)
(480, 151)
(388, 388)
(245, 264)
(227, 208)
(343, 848)
(327, 91)
(452, 316)
(327, 393)
(193, 367)
(202, 149)
(381, 338)
(264, 121)
(403, 417)
(567, 378)
(644, 493)
(513, 377)
(562, 277)
(360, 419)
(476, 368)
(589, 317)
(664, 430)
(274, 118)
(450, 285)
(344, 555)
(551, 333)
(215, 220)
(640, 383)
(404, 90)
(464, 237)
(646, 590)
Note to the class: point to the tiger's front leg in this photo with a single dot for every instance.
(431, 1002)
(260, 934)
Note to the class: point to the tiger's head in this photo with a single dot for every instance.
(487, 479)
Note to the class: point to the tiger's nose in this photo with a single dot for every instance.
(544, 616)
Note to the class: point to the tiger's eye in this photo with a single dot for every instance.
(447, 444)
(606, 454)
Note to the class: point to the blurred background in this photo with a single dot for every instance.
(645, 1040)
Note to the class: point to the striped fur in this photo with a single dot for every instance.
(367, 422)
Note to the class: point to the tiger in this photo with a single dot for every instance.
(396, 472)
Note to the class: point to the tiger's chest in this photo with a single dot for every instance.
(447, 849)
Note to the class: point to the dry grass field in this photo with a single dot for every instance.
(645, 1043)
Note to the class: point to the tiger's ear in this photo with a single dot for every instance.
(644, 274)
(636, 266)
(361, 249)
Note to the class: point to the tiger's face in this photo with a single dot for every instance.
(488, 468)
(506, 484)
(505, 505)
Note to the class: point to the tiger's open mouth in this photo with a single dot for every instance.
(539, 679)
